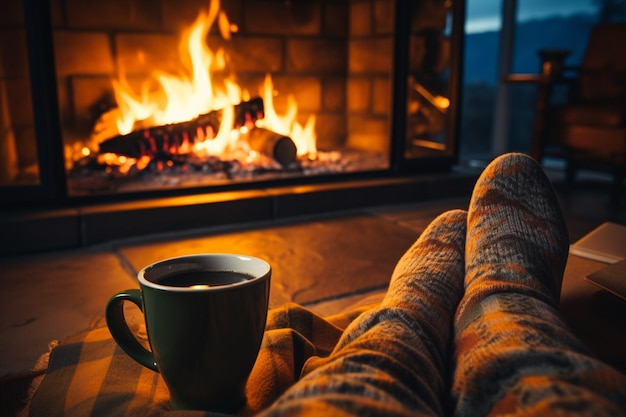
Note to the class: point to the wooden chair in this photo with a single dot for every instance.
(590, 128)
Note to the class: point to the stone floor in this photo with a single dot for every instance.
(322, 262)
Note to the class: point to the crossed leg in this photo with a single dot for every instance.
(505, 351)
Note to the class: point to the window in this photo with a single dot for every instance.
(557, 24)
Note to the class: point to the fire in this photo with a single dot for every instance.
(303, 137)
(206, 85)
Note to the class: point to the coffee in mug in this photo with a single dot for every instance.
(205, 317)
(205, 279)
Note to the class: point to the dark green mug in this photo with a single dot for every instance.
(205, 318)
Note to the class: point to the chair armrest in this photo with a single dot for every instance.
(526, 78)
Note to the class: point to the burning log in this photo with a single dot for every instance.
(178, 138)
(273, 144)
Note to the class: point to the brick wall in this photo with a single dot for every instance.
(369, 75)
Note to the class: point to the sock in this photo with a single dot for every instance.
(391, 360)
(516, 231)
(513, 353)
(428, 282)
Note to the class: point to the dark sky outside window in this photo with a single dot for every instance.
(484, 15)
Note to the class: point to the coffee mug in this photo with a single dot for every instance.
(205, 317)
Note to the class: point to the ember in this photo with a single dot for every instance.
(185, 171)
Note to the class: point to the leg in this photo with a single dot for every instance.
(513, 352)
(391, 360)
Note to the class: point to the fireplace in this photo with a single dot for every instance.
(366, 93)
(364, 88)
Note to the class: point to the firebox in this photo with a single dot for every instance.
(122, 99)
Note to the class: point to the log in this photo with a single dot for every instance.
(178, 138)
(280, 147)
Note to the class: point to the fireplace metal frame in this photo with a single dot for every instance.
(52, 188)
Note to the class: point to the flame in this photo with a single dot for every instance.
(303, 137)
(205, 85)
(187, 95)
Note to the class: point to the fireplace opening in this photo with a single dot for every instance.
(198, 125)
(178, 95)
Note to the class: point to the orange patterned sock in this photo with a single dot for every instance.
(513, 353)
(391, 361)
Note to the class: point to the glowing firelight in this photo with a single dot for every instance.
(184, 97)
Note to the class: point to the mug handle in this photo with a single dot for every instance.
(121, 332)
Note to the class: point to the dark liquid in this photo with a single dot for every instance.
(204, 279)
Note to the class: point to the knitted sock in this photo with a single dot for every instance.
(513, 352)
(391, 360)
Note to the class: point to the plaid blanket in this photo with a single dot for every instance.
(90, 375)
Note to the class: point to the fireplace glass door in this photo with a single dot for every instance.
(433, 43)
